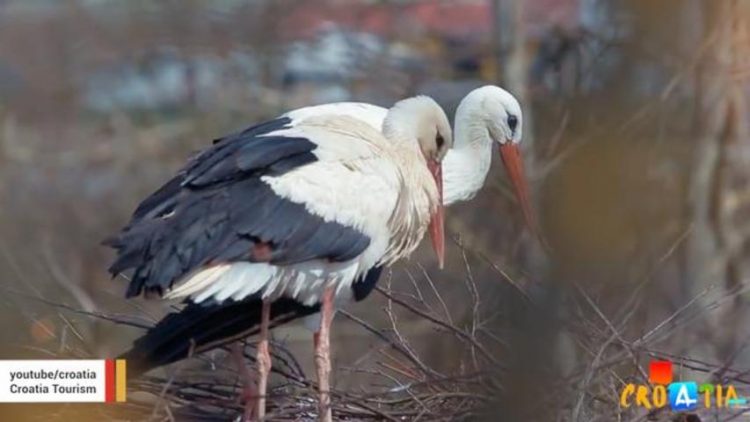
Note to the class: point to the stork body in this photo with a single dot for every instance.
(284, 216)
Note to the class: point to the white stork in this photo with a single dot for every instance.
(278, 220)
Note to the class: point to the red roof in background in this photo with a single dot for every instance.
(455, 18)
(540, 15)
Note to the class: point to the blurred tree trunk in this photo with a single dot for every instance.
(512, 68)
(721, 169)
(510, 48)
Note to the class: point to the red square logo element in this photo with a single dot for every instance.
(660, 372)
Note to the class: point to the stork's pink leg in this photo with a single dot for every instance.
(322, 341)
(249, 392)
(264, 359)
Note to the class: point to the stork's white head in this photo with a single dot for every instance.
(422, 119)
(496, 110)
(504, 117)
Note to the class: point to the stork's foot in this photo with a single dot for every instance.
(322, 340)
(323, 364)
(263, 357)
(249, 395)
(249, 399)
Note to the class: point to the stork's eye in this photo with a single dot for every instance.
(512, 122)
(440, 141)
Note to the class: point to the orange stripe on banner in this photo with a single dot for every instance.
(109, 380)
(120, 384)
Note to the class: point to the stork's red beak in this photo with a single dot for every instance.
(511, 155)
(437, 231)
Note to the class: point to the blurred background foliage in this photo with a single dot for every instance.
(636, 146)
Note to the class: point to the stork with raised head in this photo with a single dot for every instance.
(285, 215)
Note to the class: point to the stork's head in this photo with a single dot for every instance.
(434, 134)
(502, 114)
(422, 118)
(503, 118)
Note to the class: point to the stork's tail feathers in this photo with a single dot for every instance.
(200, 327)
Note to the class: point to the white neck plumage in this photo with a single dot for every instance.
(418, 195)
(466, 165)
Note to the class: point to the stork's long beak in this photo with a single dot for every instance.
(511, 155)
(437, 230)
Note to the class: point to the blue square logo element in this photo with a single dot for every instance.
(683, 396)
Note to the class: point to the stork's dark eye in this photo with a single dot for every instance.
(512, 122)
(440, 141)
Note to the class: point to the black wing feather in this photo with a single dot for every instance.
(217, 209)
(200, 327)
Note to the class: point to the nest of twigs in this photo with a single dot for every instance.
(163, 399)
(209, 388)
